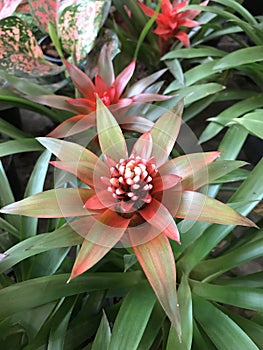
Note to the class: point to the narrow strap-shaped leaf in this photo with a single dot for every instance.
(164, 133)
(197, 206)
(103, 335)
(157, 261)
(111, 139)
(101, 234)
(215, 323)
(29, 294)
(132, 318)
(60, 202)
(186, 312)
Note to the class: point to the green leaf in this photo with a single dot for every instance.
(211, 268)
(43, 290)
(62, 237)
(251, 191)
(6, 196)
(103, 335)
(59, 324)
(193, 52)
(185, 307)
(18, 146)
(238, 109)
(253, 280)
(165, 132)
(10, 130)
(35, 185)
(132, 318)
(111, 139)
(253, 122)
(240, 57)
(244, 297)
(223, 331)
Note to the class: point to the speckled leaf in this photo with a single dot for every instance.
(19, 52)
(7, 7)
(44, 12)
(79, 25)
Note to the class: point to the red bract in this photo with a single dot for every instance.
(110, 90)
(132, 197)
(172, 19)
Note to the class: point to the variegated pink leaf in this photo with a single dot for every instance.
(44, 12)
(19, 51)
(79, 25)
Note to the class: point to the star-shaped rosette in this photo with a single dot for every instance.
(173, 19)
(112, 91)
(131, 197)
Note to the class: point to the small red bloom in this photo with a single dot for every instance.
(172, 19)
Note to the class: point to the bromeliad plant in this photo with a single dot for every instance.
(112, 91)
(131, 197)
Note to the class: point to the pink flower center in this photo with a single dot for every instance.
(131, 181)
(105, 98)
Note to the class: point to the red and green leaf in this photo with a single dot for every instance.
(157, 261)
(164, 133)
(60, 202)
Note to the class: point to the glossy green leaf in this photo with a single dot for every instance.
(211, 268)
(19, 146)
(39, 291)
(233, 176)
(103, 335)
(132, 318)
(252, 329)
(244, 297)
(35, 185)
(59, 324)
(10, 130)
(194, 75)
(253, 280)
(201, 340)
(253, 122)
(194, 52)
(240, 57)
(62, 237)
(6, 196)
(111, 139)
(239, 8)
(235, 111)
(6, 226)
(185, 307)
(252, 191)
(222, 331)
(153, 327)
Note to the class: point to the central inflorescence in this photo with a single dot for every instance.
(131, 181)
